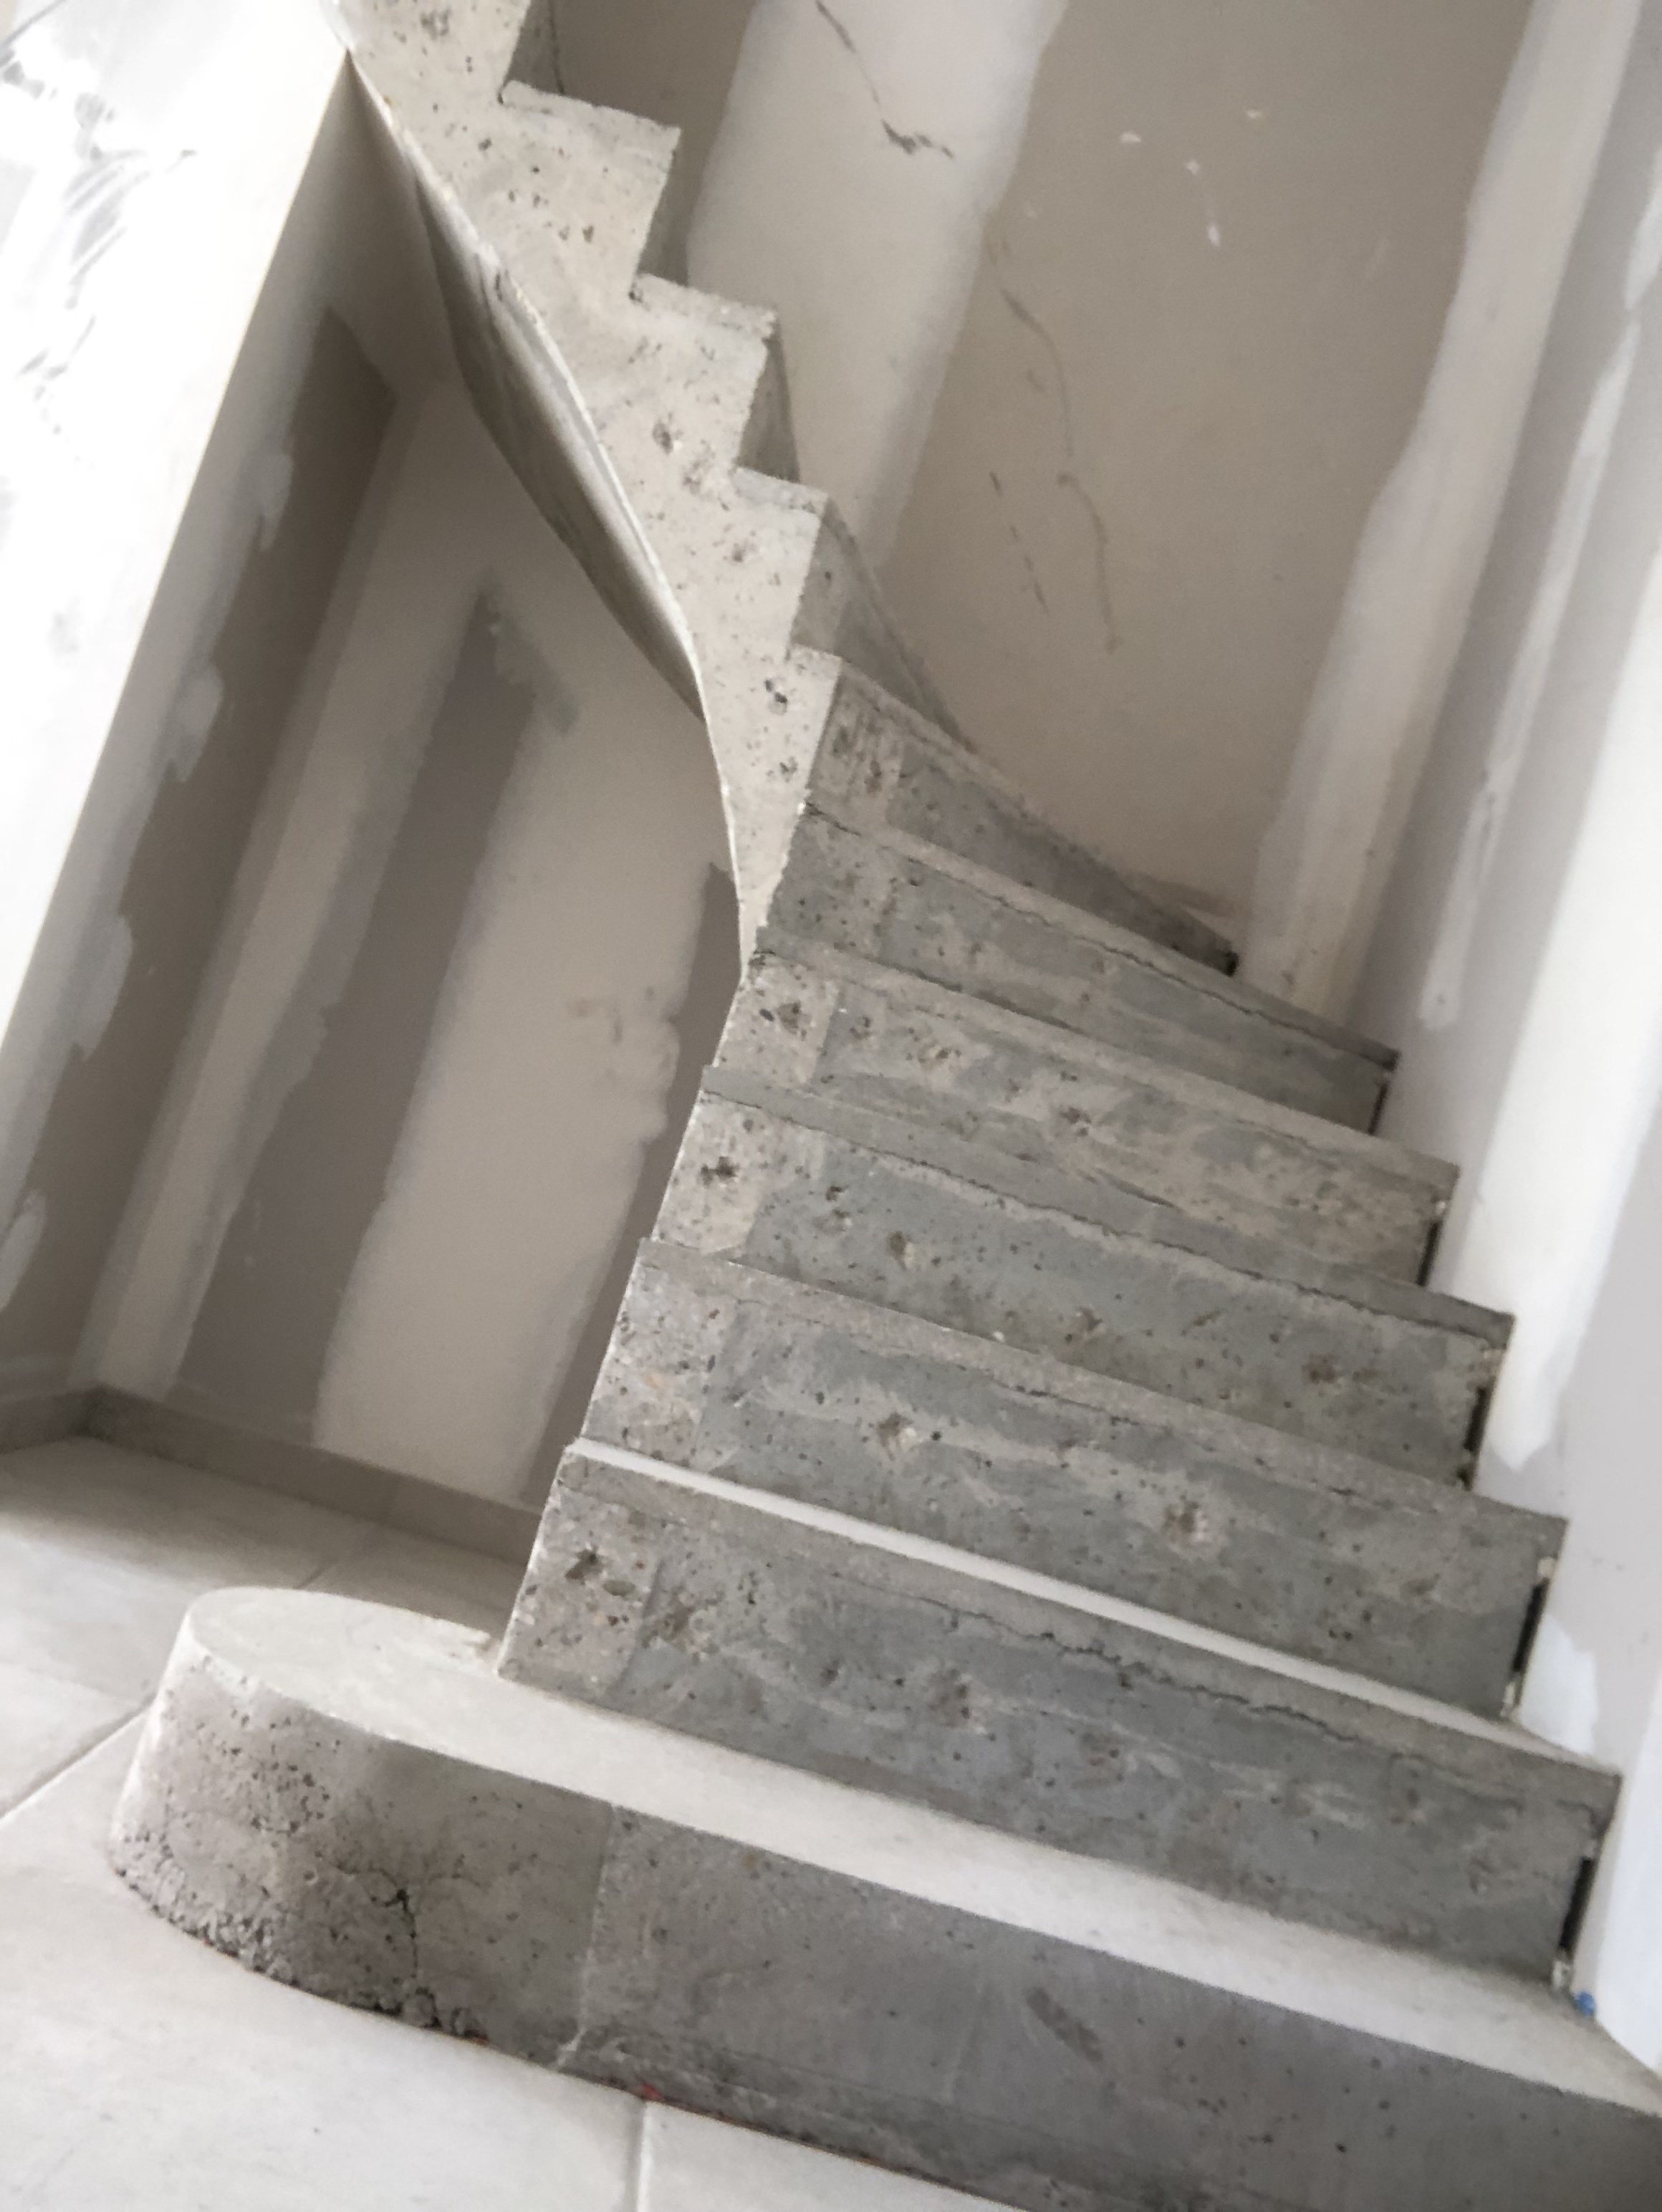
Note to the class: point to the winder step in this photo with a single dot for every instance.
(903, 1217)
(905, 903)
(835, 1026)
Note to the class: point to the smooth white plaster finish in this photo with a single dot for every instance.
(1328, 853)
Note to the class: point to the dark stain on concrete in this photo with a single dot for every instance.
(262, 1335)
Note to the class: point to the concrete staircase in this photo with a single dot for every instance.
(1012, 1682)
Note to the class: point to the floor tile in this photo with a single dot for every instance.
(141, 2072)
(101, 1551)
(692, 2165)
(44, 1722)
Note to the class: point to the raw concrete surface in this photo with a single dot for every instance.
(805, 1395)
(1066, 2036)
(913, 906)
(1024, 1706)
(142, 2072)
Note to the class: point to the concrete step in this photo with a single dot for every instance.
(829, 1401)
(899, 901)
(882, 766)
(882, 1209)
(760, 1943)
(840, 1027)
(1030, 1704)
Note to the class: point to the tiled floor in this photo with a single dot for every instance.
(140, 2072)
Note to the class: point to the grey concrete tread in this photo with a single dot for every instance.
(768, 1945)
(901, 900)
(843, 1027)
(874, 1209)
(1122, 1212)
(907, 1667)
(885, 765)
(830, 1401)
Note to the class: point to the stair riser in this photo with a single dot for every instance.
(1092, 1735)
(845, 891)
(665, 1959)
(1101, 1118)
(881, 769)
(1415, 1584)
(795, 1201)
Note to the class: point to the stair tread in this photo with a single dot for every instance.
(430, 1684)
(887, 764)
(901, 900)
(1121, 1211)
(883, 1548)
(777, 1947)
(812, 1395)
(837, 1025)
(919, 1669)
(879, 1208)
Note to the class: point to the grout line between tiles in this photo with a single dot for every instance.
(76, 1757)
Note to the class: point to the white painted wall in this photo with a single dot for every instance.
(145, 194)
(546, 1075)
(1518, 964)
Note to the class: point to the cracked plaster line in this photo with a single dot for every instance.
(1068, 479)
(909, 142)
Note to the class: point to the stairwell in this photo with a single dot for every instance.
(1012, 1681)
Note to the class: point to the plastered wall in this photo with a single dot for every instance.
(482, 950)
(1106, 322)
(1518, 965)
(394, 932)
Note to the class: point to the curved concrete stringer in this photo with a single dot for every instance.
(649, 422)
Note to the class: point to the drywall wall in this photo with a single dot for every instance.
(1324, 863)
(159, 592)
(1519, 966)
(862, 150)
(481, 948)
(1200, 327)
